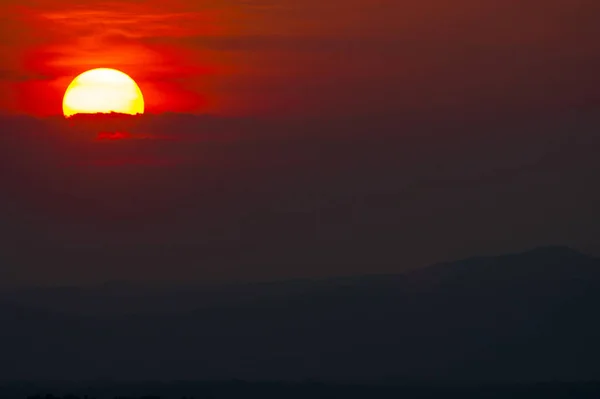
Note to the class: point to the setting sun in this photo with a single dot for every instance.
(103, 90)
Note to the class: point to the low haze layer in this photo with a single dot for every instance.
(177, 197)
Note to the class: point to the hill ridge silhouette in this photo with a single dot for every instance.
(496, 319)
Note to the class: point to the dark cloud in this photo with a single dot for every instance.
(286, 43)
(18, 76)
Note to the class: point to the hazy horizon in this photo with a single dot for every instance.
(404, 158)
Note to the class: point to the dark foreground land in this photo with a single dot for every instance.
(522, 317)
(267, 390)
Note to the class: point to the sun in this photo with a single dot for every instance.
(103, 90)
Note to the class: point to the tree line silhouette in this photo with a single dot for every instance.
(239, 390)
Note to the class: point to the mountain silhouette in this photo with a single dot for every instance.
(521, 317)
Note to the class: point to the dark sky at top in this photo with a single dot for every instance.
(289, 138)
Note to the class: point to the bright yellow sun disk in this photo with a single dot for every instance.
(103, 90)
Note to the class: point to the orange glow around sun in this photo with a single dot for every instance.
(103, 90)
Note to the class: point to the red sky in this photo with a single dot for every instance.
(452, 127)
(291, 57)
